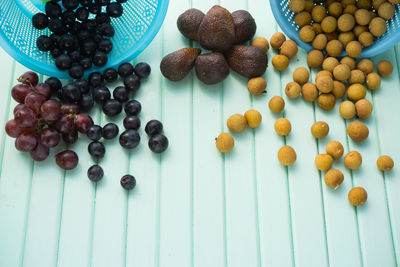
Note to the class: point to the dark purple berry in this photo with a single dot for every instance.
(128, 182)
(40, 21)
(95, 173)
(158, 143)
(153, 127)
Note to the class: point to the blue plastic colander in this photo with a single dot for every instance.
(285, 18)
(133, 33)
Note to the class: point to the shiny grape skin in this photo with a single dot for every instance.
(40, 153)
(20, 91)
(70, 138)
(29, 78)
(12, 129)
(34, 101)
(25, 117)
(83, 122)
(18, 107)
(67, 159)
(26, 142)
(50, 137)
(50, 110)
(70, 108)
(65, 124)
(44, 89)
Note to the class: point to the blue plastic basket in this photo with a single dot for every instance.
(285, 18)
(134, 31)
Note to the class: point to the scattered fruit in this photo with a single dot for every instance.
(276, 104)
(248, 61)
(177, 65)
(211, 68)
(334, 178)
(128, 182)
(282, 126)
(319, 129)
(323, 162)
(253, 118)
(353, 160)
(357, 131)
(287, 155)
(292, 90)
(257, 86)
(335, 149)
(385, 68)
(224, 142)
(385, 163)
(357, 196)
(236, 123)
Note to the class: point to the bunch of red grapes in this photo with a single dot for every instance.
(40, 122)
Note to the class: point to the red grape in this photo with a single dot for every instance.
(50, 110)
(25, 117)
(49, 137)
(34, 101)
(67, 159)
(29, 78)
(65, 124)
(44, 89)
(40, 153)
(12, 129)
(18, 107)
(20, 91)
(83, 122)
(70, 109)
(26, 142)
(70, 138)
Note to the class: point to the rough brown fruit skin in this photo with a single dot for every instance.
(211, 68)
(177, 65)
(245, 26)
(385, 68)
(334, 178)
(335, 149)
(217, 30)
(224, 142)
(248, 61)
(357, 196)
(357, 131)
(309, 92)
(289, 48)
(280, 62)
(287, 155)
(315, 59)
(236, 123)
(326, 101)
(189, 22)
(277, 40)
(353, 160)
(385, 163)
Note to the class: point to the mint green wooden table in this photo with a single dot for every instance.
(192, 205)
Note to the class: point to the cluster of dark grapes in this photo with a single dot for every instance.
(78, 40)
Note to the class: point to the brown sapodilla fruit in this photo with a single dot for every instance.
(211, 68)
(189, 22)
(248, 61)
(177, 65)
(245, 26)
(217, 31)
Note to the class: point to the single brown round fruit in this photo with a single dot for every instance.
(253, 118)
(385, 68)
(353, 160)
(386, 11)
(334, 48)
(346, 22)
(329, 24)
(350, 9)
(377, 26)
(356, 76)
(335, 149)
(347, 110)
(335, 9)
(318, 13)
(261, 42)
(323, 73)
(224, 142)
(346, 37)
(287, 155)
(362, 16)
(354, 49)
(292, 90)
(357, 196)
(303, 18)
(349, 62)
(320, 41)
(324, 84)
(317, 27)
(330, 63)
(276, 104)
(385, 163)
(280, 62)
(373, 81)
(358, 29)
(319, 129)
(363, 108)
(277, 40)
(297, 5)
(323, 162)
(341, 72)
(309, 5)
(282, 126)
(301, 75)
(307, 33)
(315, 59)
(334, 178)
(377, 3)
(236, 123)
(357, 131)
(366, 39)
(326, 101)
(256, 86)
(289, 48)
(339, 89)
(356, 92)
(309, 92)
(365, 65)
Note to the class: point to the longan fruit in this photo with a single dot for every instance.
(347, 110)
(349, 62)
(365, 4)
(334, 48)
(385, 68)
(335, 9)
(339, 89)
(276, 104)
(377, 26)
(326, 101)
(289, 48)
(256, 86)
(385, 163)
(346, 37)
(320, 41)
(319, 129)
(350, 9)
(341, 72)
(366, 39)
(317, 27)
(303, 18)
(323, 73)
(352, 160)
(287, 155)
(292, 90)
(307, 34)
(356, 76)
(363, 108)
(297, 5)
(301, 75)
(332, 36)
(261, 42)
(357, 131)
(347, 2)
(373, 81)
(386, 11)
(323, 162)
(365, 65)
(315, 58)
(309, 5)
(329, 24)
(358, 29)
(224, 142)
(356, 92)
(253, 118)
(357, 196)
(362, 16)
(277, 40)
(324, 84)
(236, 123)
(282, 126)
(346, 22)
(377, 3)
(354, 49)
(309, 92)
(318, 13)
(280, 62)
(334, 178)
(330, 63)
(335, 149)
